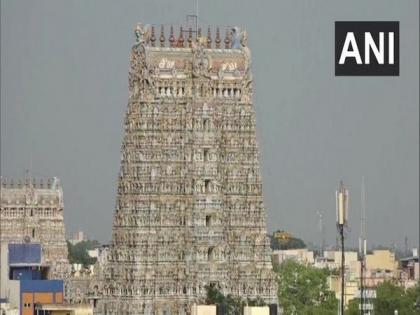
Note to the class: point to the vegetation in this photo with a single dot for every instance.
(288, 243)
(304, 290)
(78, 253)
(391, 297)
(233, 305)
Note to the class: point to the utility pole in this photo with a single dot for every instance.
(342, 198)
(322, 232)
(362, 246)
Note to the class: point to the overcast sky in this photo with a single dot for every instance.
(64, 89)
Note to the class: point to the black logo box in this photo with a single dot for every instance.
(350, 67)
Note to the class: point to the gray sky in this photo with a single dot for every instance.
(64, 67)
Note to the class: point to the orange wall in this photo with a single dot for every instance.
(58, 298)
(40, 297)
(27, 298)
(43, 298)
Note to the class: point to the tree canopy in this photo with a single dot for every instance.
(391, 297)
(288, 243)
(78, 253)
(233, 305)
(304, 290)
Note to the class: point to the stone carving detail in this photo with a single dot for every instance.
(189, 208)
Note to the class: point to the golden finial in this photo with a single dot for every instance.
(209, 38)
(198, 34)
(162, 37)
(181, 38)
(218, 40)
(152, 37)
(190, 37)
(227, 39)
(172, 37)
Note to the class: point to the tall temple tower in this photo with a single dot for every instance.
(189, 207)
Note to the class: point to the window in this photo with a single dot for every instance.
(208, 220)
(210, 253)
(33, 233)
(207, 185)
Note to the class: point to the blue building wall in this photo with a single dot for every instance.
(25, 273)
(34, 286)
(24, 254)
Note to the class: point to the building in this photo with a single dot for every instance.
(301, 255)
(7, 309)
(204, 310)
(189, 207)
(217, 309)
(332, 261)
(65, 309)
(77, 238)
(23, 278)
(409, 266)
(381, 266)
(32, 211)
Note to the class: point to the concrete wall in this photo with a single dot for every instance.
(74, 311)
(381, 259)
(10, 289)
(204, 310)
(256, 310)
(4, 269)
(302, 256)
(7, 309)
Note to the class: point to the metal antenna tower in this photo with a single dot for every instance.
(322, 232)
(342, 206)
(362, 246)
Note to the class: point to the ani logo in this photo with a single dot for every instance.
(367, 49)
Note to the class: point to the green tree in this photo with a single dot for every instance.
(290, 243)
(304, 290)
(78, 253)
(233, 305)
(391, 297)
(353, 307)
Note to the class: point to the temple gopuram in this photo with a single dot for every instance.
(189, 210)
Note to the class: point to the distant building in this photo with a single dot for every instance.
(23, 278)
(332, 261)
(381, 265)
(247, 310)
(77, 238)
(7, 309)
(409, 266)
(258, 310)
(93, 253)
(32, 211)
(25, 289)
(302, 256)
(65, 309)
